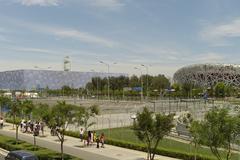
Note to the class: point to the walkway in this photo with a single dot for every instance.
(74, 147)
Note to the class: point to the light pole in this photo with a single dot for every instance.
(107, 76)
(97, 83)
(108, 66)
(141, 82)
(147, 78)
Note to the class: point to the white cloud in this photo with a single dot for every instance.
(35, 50)
(61, 32)
(217, 35)
(81, 36)
(110, 4)
(210, 57)
(39, 2)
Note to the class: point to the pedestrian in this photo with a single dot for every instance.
(102, 139)
(42, 128)
(89, 138)
(1, 122)
(21, 124)
(94, 136)
(98, 141)
(81, 134)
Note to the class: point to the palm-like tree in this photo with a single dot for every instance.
(4, 101)
(15, 113)
(61, 116)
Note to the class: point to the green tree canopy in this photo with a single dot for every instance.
(218, 130)
(151, 128)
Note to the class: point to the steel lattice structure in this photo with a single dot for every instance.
(207, 75)
(40, 79)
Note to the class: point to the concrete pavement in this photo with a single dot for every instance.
(74, 147)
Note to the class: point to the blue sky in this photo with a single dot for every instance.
(161, 34)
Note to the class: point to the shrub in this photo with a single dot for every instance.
(42, 153)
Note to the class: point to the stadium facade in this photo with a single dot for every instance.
(207, 75)
(40, 79)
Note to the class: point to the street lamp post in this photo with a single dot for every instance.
(107, 76)
(108, 66)
(97, 83)
(141, 82)
(147, 78)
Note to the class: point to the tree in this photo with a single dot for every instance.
(160, 83)
(195, 130)
(15, 113)
(66, 90)
(87, 114)
(151, 128)
(41, 113)
(134, 81)
(27, 108)
(218, 130)
(61, 116)
(4, 101)
(220, 89)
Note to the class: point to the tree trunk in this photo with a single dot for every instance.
(16, 134)
(1, 110)
(62, 150)
(154, 149)
(34, 140)
(195, 151)
(229, 149)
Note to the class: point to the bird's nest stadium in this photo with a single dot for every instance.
(207, 75)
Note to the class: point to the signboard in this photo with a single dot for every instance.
(137, 88)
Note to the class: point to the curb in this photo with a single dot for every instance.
(3, 152)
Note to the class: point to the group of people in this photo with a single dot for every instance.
(32, 127)
(92, 138)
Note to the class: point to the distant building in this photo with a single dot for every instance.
(40, 79)
(208, 75)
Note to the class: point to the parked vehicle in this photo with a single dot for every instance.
(20, 155)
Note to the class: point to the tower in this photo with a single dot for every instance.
(67, 64)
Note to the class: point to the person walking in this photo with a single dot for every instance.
(98, 140)
(81, 134)
(102, 139)
(94, 136)
(89, 138)
(1, 122)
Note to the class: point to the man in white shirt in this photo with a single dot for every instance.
(81, 134)
(1, 122)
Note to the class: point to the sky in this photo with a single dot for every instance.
(158, 36)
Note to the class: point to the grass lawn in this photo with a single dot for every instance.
(9, 144)
(127, 135)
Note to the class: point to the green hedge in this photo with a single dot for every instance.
(164, 152)
(42, 153)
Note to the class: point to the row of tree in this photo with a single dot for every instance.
(219, 130)
(219, 90)
(57, 117)
(118, 86)
(153, 86)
